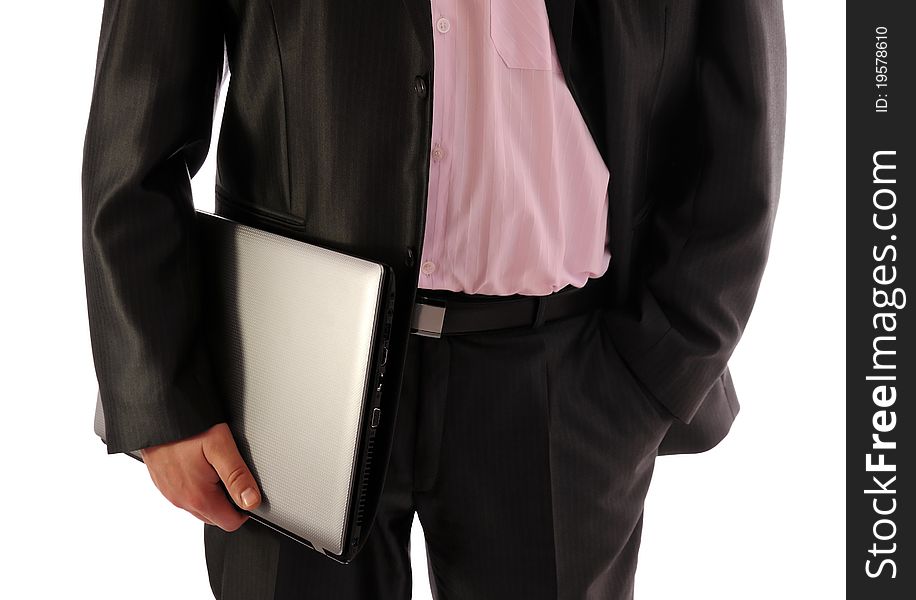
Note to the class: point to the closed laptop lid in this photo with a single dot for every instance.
(299, 323)
(292, 332)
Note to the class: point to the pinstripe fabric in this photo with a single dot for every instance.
(326, 138)
(527, 455)
(142, 268)
(517, 189)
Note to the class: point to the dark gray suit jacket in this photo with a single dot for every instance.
(326, 137)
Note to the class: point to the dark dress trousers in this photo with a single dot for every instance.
(326, 138)
(526, 454)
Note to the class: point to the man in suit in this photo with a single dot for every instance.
(588, 186)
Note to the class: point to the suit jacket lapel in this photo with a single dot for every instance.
(560, 13)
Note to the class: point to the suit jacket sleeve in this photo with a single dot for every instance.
(711, 244)
(158, 72)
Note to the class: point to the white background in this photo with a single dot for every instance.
(761, 516)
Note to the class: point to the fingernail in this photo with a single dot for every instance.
(249, 498)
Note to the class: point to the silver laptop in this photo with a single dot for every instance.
(299, 338)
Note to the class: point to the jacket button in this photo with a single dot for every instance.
(408, 259)
(419, 84)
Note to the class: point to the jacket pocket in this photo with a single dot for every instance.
(244, 212)
(520, 31)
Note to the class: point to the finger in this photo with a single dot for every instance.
(223, 455)
(220, 511)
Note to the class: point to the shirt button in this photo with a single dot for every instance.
(428, 267)
(438, 153)
(443, 25)
(419, 84)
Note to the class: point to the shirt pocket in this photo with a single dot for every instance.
(520, 31)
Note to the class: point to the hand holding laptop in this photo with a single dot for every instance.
(191, 474)
(298, 335)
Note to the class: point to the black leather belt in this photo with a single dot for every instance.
(446, 312)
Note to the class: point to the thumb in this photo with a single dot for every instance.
(223, 455)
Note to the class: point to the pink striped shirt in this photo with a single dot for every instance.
(517, 188)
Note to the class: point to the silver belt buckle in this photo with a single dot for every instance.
(427, 318)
